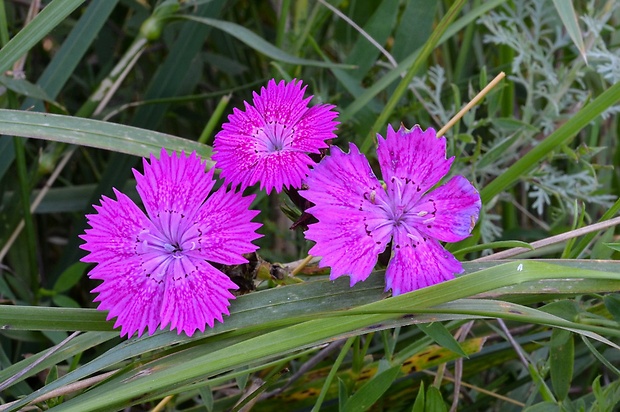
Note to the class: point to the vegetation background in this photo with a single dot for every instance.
(95, 85)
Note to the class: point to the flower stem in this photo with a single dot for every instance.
(471, 104)
(301, 265)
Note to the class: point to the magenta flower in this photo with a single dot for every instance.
(269, 142)
(357, 217)
(154, 266)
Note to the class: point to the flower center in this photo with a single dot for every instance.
(174, 249)
(274, 137)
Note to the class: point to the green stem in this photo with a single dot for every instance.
(332, 374)
(214, 120)
(4, 26)
(403, 86)
(24, 191)
(281, 27)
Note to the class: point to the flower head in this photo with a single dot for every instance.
(358, 217)
(269, 142)
(154, 266)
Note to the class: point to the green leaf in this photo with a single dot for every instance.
(442, 336)
(51, 15)
(565, 309)
(434, 400)
(46, 360)
(73, 48)
(414, 27)
(561, 359)
(259, 44)
(599, 394)
(25, 88)
(612, 303)
(343, 395)
(372, 390)
(379, 28)
(242, 377)
(512, 124)
(332, 373)
(70, 277)
(540, 383)
(543, 407)
(95, 133)
(499, 150)
(52, 375)
(207, 397)
(64, 301)
(571, 23)
(614, 246)
(600, 356)
(418, 405)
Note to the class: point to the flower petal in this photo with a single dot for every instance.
(448, 213)
(176, 186)
(417, 263)
(130, 296)
(281, 103)
(278, 170)
(414, 156)
(352, 229)
(114, 230)
(195, 295)
(313, 128)
(225, 228)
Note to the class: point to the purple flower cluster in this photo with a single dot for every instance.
(155, 268)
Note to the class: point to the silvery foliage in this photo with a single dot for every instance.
(606, 62)
(430, 86)
(549, 182)
(554, 89)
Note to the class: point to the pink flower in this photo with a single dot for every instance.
(269, 142)
(357, 217)
(154, 266)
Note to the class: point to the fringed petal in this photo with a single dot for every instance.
(195, 296)
(414, 156)
(115, 230)
(418, 262)
(448, 213)
(130, 296)
(224, 230)
(173, 188)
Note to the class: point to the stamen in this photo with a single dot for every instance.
(169, 248)
(143, 247)
(413, 237)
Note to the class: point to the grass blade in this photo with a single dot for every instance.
(94, 133)
(41, 25)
